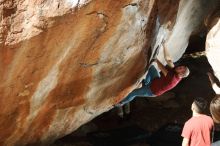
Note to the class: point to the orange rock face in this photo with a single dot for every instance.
(64, 62)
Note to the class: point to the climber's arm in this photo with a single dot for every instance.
(162, 67)
(167, 57)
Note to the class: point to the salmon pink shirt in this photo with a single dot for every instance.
(198, 130)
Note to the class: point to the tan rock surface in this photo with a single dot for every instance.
(213, 48)
(64, 62)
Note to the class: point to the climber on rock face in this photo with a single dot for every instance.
(155, 84)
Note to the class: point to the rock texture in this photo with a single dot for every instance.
(213, 48)
(64, 62)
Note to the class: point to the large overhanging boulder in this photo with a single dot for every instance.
(62, 63)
